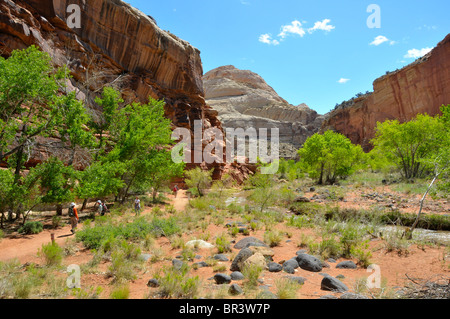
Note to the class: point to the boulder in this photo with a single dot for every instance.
(308, 262)
(332, 284)
(348, 264)
(222, 279)
(249, 241)
(238, 261)
(257, 260)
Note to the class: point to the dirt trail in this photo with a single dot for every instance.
(26, 247)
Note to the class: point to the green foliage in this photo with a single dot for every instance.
(411, 146)
(31, 228)
(329, 156)
(52, 253)
(95, 237)
(176, 283)
(56, 181)
(198, 180)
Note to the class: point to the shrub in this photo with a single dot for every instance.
(56, 221)
(31, 228)
(120, 292)
(286, 288)
(273, 238)
(52, 253)
(251, 273)
(223, 244)
(175, 283)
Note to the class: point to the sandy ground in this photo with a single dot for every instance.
(421, 263)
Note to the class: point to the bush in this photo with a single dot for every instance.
(56, 221)
(52, 254)
(175, 283)
(287, 288)
(31, 228)
(120, 292)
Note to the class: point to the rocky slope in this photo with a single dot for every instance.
(244, 100)
(116, 44)
(420, 87)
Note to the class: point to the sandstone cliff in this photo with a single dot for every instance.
(244, 100)
(116, 45)
(420, 87)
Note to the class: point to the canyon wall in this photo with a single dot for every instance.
(420, 87)
(115, 45)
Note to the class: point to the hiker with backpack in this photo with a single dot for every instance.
(102, 209)
(137, 206)
(175, 190)
(73, 214)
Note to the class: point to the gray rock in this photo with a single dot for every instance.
(221, 279)
(238, 261)
(331, 260)
(153, 283)
(237, 275)
(348, 264)
(145, 257)
(266, 294)
(349, 295)
(221, 257)
(332, 284)
(299, 280)
(201, 264)
(247, 240)
(274, 267)
(289, 269)
(328, 297)
(177, 264)
(292, 263)
(235, 290)
(310, 263)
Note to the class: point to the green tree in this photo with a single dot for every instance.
(28, 91)
(410, 145)
(137, 131)
(198, 180)
(109, 102)
(329, 156)
(57, 182)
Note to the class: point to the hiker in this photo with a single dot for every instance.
(102, 209)
(73, 214)
(137, 206)
(175, 190)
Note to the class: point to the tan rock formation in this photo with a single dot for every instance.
(244, 100)
(420, 87)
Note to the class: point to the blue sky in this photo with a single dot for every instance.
(318, 52)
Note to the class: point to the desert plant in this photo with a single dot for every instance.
(273, 238)
(31, 228)
(120, 292)
(223, 244)
(251, 272)
(52, 253)
(286, 288)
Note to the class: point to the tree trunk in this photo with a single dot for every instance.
(59, 209)
(408, 233)
(84, 204)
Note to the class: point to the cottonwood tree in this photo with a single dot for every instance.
(329, 156)
(410, 145)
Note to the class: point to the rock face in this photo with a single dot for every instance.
(420, 87)
(117, 45)
(244, 100)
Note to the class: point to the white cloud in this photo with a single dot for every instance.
(379, 40)
(322, 25)
(343, 81)
(415, 53)
(294, 28)
(267, 38)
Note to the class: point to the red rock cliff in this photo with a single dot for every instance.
(116, 44)
(421, 87)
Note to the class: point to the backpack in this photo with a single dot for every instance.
(104, 208)
(71, 212)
